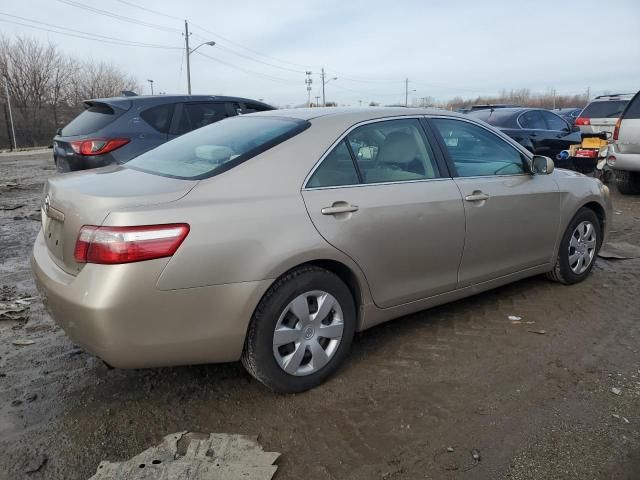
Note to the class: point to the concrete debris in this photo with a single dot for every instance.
(450, 449)
(616, 391)
(22, 342)
(196, 456)
(475, 454)
(619, 251)
(514, 318)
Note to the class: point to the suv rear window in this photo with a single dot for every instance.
(218, 147)
(94, 118)
(159, 117)
(607, 109)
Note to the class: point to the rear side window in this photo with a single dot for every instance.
(532, 120)
(94, 118)
(609, 109)
(197, 115)
(633, 110)
(335, 170)
(159, 117)
(218, 147)
(253, 107)
(554, 122)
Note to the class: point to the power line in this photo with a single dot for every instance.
(249, 72)
(150, 10)
(118, 17)
(84, 35)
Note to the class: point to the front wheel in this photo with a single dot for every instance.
(628, 183)
(301, 330)
(578, 248)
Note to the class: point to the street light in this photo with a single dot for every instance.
(324, 82)
(190, 51)
(151, 84)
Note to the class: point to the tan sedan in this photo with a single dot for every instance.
(273, 237)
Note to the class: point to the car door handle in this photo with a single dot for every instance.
(336, 210)
(476, 196)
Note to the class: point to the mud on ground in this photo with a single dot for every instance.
(460, 377)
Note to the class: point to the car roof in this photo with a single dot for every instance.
(363, 113)
(613, 97)
(126, 101)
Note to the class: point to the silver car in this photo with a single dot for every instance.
(602, 113)
(624, 152)
(274, 237)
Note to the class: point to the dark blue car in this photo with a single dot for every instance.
(117, 129)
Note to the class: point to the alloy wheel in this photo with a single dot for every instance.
(582, 247)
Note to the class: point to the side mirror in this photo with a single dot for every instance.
(542, 165)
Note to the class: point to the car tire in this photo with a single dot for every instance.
(283, 308)
(575, 240)
(628, 183)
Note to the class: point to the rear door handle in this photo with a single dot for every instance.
(335, 210)
(476, 196)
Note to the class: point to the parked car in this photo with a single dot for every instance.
(488, 106)
(115, 130)
(602, 113)
(569, 114)
(624, 153)
(540, 131)
(273, 237)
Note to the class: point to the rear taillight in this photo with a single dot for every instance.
(616, 130)
(98, 146)
(110, 245)
(583, 121)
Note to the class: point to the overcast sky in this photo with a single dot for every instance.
(445, 48)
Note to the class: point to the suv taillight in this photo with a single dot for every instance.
(616, 130)
(98, 146)
(111, 245)
(583, 121)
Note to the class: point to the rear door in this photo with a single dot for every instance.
(512, 217)
(383, 197)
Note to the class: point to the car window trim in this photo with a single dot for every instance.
(452, 166)
(177, 116)
(549, 129)
(344, 135)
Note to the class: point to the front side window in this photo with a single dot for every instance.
(197, 115)
(218, 147)
(477, 152)
(532, 120)
(393, 151)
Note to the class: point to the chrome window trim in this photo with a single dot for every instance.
(344, 136)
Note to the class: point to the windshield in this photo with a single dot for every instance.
(218, 147)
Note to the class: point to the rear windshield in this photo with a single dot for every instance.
(217, 147)
(633, 111)
(91, 120)
(496, 117)
(609, 109)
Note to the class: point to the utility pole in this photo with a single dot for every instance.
(588, 93)
(317, 100)
(308, 82)
(13, 130)
(324, 103)
(188, 52)
(151, 84)
(406, 92)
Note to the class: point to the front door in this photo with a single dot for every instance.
(512, 217)
(381, 197)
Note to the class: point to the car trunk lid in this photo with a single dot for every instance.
(86, 198)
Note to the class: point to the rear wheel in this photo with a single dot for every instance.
(578, 248)
(628, 183)
(301, 331)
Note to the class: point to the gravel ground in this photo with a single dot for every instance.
(416, 400)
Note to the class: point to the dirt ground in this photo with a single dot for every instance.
(533, 405)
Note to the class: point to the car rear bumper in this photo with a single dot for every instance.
(72, 163)
(116, 313)
(625, 161)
